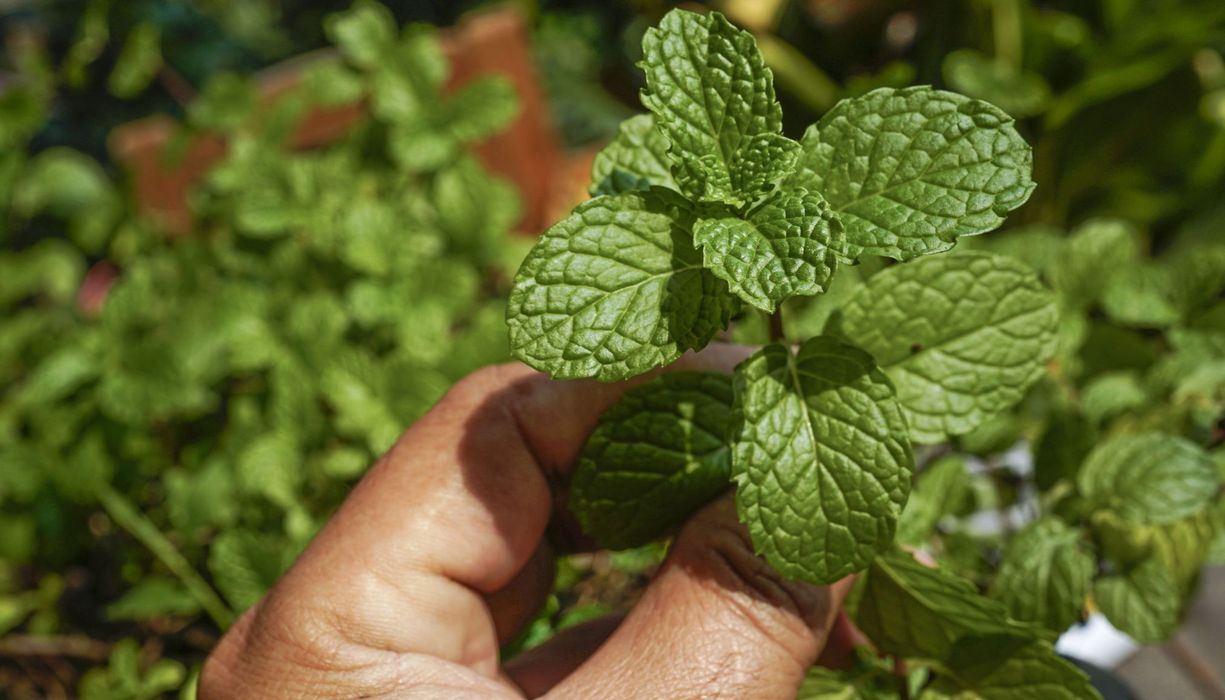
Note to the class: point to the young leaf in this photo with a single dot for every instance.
(1045, 575)
(613, 290)
(1149, 478)
(660, 453)
(938, 608)
(1144, 602)
(787, 246)
(713, 98)
(961, 336)
(910, 170)
(635, 160)
(821, 458)
(1002, 667)
(870, 683)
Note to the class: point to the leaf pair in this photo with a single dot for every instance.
(814, 441)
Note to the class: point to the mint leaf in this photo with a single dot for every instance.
(636, 159)
(820, 458)
(941, 489)
(961, 336)
(660, 453)
(1010, 668)
(613, 290)
(1045, 575)
(713, 98)
(1149, 478)
(1091, 255)
(910, 170)
(938, 608)
(871, 683)
(1185, 547)
(787, 246)
(365, 33)
(1143, 602)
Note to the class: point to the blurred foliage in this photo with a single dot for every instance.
(181, 440)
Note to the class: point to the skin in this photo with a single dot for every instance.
(440, 555)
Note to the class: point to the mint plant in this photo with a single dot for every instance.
(704, 213)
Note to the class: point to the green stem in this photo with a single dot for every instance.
(129, 517)
(1007, 32)
(777, 334)
(797, 74)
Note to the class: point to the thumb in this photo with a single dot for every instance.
(716, 622)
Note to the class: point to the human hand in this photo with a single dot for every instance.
(439, 556)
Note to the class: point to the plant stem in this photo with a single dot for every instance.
(128, 516)
(1007, 31)
(776, 326)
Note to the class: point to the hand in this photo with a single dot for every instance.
(438, 557)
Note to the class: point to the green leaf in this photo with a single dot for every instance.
(1149, 478)
(1045, 575)
(331, 83)
(271, 466)
(910, 170)
(1009, 668)
(475, 209)
(787, 246)
(613, 290)
(1143, 602)
(635, 160)
(1019, 93)
(1094, 251)
(939, 610)
(821, 459)
(138, 62)
(961, 336)
(942, 489)
(245, 564)
(153, 597)
(1063, 446)
(713, 98)
(871, 683)
(1142, 295)
(365, 32)
(1185, 547)
(656, 456)
(481, 108)
(1111, 393)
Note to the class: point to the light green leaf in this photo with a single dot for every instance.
(1111, 393)
(271, 466)
(714, 100)
(1045, 575)
(636, 159)
(961, 336)
(365, 32)
(138, 61)
(822, 683)
(1185, 547)
(656, 456)
(613, 290)
(788, 246)
(939, 610)
(941, 489)
(482, 107)
(1019, 93)
(910, 170)
(1009, 668)
(1142, 295)
(821, 459)
(331, 83)
(1093, 252)
(153, 597)
(1149, 478)
(245, 564)
(1144, 602)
